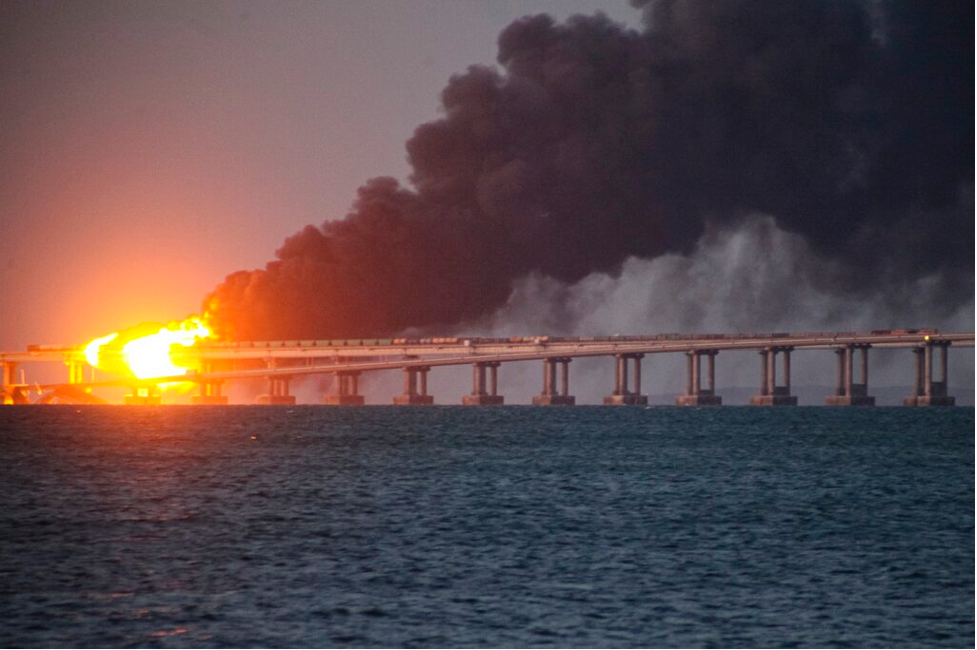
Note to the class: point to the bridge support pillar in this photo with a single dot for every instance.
(926, 391)
(76, 371)
(14, 395)
(347, 390)
(484, 394)
(553, 395)
(278, 386)
(210, 394)
(11, 392)
(623, 396)
(415, 387)
(695, 394)
(278, 392)
(144, 396)
(210, 391)
(770, 393)
(848, 392)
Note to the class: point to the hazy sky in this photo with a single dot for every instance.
(148, 149)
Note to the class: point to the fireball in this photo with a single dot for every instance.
(148, 350)
(94, 347)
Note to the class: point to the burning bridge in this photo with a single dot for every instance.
(279, 362)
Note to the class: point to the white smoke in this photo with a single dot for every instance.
(757, 278)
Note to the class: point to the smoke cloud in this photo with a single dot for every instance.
(850, 123)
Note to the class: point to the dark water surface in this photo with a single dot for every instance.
(516, 526)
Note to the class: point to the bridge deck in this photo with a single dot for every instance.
(374, 355)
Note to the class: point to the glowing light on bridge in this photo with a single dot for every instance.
(150, 356)
(149, 350)
(94, 347)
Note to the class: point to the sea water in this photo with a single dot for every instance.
(513, 526)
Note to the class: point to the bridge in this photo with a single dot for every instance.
(279, 362)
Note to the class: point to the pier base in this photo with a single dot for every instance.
(772, 394)
(554, 400)
(698, 400)
(848, 391)
(347, 390)
(343, 400)
(13, 395)
(276, 400)
(555, 394)
(849, 400)
(414, 400)
(626, 400)
(209, 400)
(773, 400)
(415, 388)
(695, 394)
(143, 400)
(928, 391)
(482, 400)
(931, 400)
(622, 395)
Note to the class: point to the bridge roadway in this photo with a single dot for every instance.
(435, 354)
(536, 348)
(287, 360)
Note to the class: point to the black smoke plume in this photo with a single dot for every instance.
(850, 123)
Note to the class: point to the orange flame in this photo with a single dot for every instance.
(149, 350)
(95, 346)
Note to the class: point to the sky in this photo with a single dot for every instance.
(149, 149)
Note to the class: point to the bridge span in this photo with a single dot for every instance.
(279, 362)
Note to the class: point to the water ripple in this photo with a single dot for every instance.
(444, 526)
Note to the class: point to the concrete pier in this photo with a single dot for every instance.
(926, 391)
(848, 392)
(347, 390)
(143, 396)
(13, 395)
(11, 392)
(76, 371)
(695, 394)
(415, 387)
(484, 394)
(210, 391)
(623, 395)
(553, 395)
(210, 395)
(278, 392)
(770, 393)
